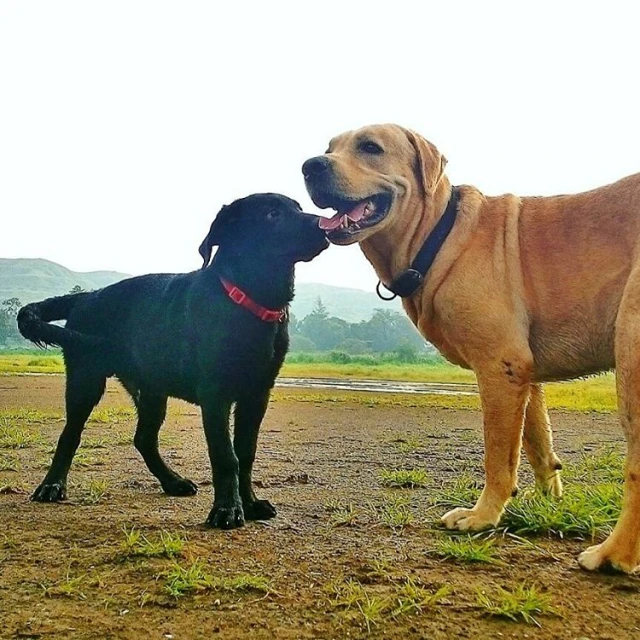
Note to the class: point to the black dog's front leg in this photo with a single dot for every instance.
(227, 510)
(249, 414)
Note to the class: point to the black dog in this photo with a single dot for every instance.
(213, 337)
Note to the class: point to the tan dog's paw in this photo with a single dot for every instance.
(602, 557)
(551, 486)
(468, 520)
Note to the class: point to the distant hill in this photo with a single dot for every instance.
(352, 305)
(35, 279)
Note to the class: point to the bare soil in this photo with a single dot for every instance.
(312, 455)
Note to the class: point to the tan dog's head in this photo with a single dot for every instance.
(369, 176)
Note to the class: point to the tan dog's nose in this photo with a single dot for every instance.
(315, 166)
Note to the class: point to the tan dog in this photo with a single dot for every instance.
(523, 291)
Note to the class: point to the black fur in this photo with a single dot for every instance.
(167, 335)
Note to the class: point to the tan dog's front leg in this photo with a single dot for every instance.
(504, 394)
(538, 444)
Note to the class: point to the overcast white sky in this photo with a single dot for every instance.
(125, 125)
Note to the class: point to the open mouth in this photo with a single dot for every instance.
(355, 215)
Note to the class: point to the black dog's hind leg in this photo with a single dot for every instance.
(227, 512)
(249, 414)
(83, 392)
(151, 413)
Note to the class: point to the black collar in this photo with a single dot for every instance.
(406, 284)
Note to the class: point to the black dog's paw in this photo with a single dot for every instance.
(54, 492)
(180, 487)
(226, 517)
(259, 510)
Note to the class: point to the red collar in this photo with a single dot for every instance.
(241, 298)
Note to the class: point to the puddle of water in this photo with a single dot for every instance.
(379, 386)
(346, 384)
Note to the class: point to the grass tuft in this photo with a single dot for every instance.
(113, 415)
(462, 492)
(9, 462)
(168, 545)
(583, 512)
(404, 478)
(67, 588)
(183, 580)
(343, 514)
(14, 437)
(467, 549)
(394, 512)
(370, 608)
(520, 605)
(96, 490)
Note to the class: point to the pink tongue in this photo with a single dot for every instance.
(355, 215)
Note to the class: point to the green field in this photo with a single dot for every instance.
(592, 394)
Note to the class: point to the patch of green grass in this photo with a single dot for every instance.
(342, 514)
(583, 512)
(68, 588)
(522, 604)
(9, 462)
(15, 437)
(81, 459)
(597, 393)
(168, 545)
(370, 399)
(404, 478)
(463, 491)
(593, 394)
(412, 597)
(394, 512)
(96, 490)
(113, 415)
(120, 438)
(8, 542)
(184, 580)
(95, 443)
(423, 372)
(34, 362)
(602, 466)
(30, 416)
(589, 507)
(467, 549)
(371, 608)
(408, 444)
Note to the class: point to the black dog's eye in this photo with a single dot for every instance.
(273, 214)
(371, 147)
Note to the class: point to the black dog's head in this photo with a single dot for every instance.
(268, 227)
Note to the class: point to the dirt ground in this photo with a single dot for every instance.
(64, 572)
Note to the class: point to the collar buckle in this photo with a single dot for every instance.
(237, 296)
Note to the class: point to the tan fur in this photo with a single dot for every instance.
(524, 290)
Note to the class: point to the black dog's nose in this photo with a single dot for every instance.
(315, 166)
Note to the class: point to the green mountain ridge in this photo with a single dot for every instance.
(35, 279)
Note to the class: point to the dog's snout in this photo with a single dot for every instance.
(315, 166)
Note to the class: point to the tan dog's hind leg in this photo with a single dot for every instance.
(538, 444)
(621, 550)
(504, 391)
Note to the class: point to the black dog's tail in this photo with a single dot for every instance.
(34, 318)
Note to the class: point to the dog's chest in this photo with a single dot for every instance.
(430, 329)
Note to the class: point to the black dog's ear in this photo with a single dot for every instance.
(216, 236)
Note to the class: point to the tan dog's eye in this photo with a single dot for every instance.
(371, 147)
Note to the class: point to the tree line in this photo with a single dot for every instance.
(9, 334)
(385, 332)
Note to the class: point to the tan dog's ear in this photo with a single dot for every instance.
(430, 163)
